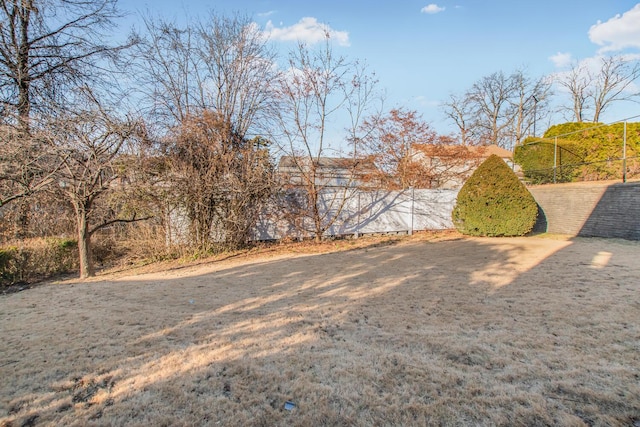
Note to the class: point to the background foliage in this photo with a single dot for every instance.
(585, 152)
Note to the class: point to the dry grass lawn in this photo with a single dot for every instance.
(422, 331)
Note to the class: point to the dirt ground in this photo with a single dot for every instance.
(423, 330)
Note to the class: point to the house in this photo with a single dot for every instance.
(327, 172)
(449, 166)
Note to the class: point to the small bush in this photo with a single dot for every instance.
(493, 202)
(36, 259)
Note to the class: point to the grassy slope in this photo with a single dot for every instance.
(522, 331)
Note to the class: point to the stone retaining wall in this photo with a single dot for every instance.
(594, 209)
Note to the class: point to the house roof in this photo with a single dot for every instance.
(326, 162)
(478, 151)
(494, 149)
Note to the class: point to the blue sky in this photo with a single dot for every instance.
(421, 51)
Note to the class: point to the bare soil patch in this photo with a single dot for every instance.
(423, 330)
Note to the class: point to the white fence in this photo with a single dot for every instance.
(374, 212)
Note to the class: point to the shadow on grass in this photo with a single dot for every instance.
(473, 331)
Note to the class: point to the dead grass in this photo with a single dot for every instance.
(422, 330)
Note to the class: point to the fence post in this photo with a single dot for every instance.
(555, 158)
(624, 154)
(357, 233)
(412, 203)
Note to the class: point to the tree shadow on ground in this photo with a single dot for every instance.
(480, 331)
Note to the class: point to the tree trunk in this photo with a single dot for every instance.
(84, 244)
(21, 226)
(23, 63)
(318, 236)
(317, 224)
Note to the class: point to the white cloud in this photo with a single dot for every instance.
(423, 101)
(266, 14)
(432, 9)
(307, 30)
(561, 59)
(619, 32)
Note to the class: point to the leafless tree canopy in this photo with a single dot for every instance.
(221, 180)
(593, 90)
(46, 47)
(208, 86)
(318, 88)
(27, 164)
(91, 143)
(221, 64)
(499, 109)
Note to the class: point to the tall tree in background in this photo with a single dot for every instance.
(594, 88)
(499, 109)
(577, 82)
(318, 89)
(490, 97)
(530, 104)
(613, 83)
(459, 111)
(47, 47)
(220, 64)
(207, 88)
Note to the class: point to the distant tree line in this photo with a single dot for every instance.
(504, 109)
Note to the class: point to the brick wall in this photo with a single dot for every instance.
(599, 209)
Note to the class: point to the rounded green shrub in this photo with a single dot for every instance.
(493, 202)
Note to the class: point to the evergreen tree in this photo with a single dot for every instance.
(493, 202)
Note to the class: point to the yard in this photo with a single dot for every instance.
(420, 330)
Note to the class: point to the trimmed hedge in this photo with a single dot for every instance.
(585, 151)
(493, 202)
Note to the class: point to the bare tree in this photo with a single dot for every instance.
(577, 82)
(459, 111)
(221, 64)
(596, 88)
(530, 102)
(47, 46)
(27, 165)
(168, 72)
(91, 143)
(317, 89)
(209, 86)
(491, 97)
(223, 180)
(238, 70)
(499, 109)
(613, 82)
